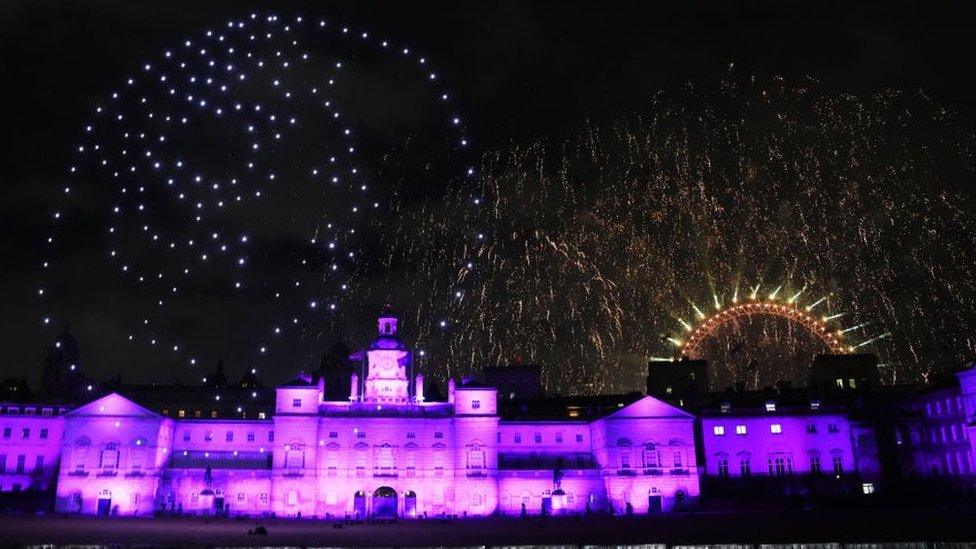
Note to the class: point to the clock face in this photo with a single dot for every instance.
(386, 365)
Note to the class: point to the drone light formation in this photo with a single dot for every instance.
(211, 158)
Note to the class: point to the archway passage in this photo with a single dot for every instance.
(410, 504)
(819, 328)
(359, 505)
(385, 503)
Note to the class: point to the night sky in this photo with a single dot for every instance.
(535, 84)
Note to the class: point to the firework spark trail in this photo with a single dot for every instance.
(601, 241)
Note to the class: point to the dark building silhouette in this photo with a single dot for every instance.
(681, 382)
(336, 369)
(839, 373)
(516, 381)
(61, 375)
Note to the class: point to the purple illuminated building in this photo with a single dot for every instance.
(797, 449)
(934, 433)
(380, 450)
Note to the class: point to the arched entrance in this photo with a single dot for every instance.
(359, 505)
(410, 504)
(385, 503)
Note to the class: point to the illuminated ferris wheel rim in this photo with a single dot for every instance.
(831, 336)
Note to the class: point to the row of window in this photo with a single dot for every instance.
(774, 428)
(195, 497)
(29, 411)
(780, 465)
(25, 433)
(652, 459)
(19, 467)
(208, 436)
(537, 438)
(213, 414)
(941, 407)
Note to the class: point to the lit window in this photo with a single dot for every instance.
(262, 415)
(181, 413)
(741, 430)
(840, 383)
(775, 428)
(213, 414)
(718, 430)
(867, 487)
(770, 406)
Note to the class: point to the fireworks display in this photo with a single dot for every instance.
(267, 185)
(604, 242)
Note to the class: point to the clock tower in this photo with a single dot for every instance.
(387, 365)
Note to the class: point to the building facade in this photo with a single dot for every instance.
(382, 450)
(777, 442)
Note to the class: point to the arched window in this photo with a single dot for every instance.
(108, 460)
(361, 458)
(745, 464)
(623, 452)
(384, 460)
(80, 454)
(816, 467)
(677, 447)
(295, 458)
(438, 460)
(137, 453)
(651, 456)
(332, 460)
(780, 464)
(837, 461)
(476, 457)
(722, 464)
(410, 459)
